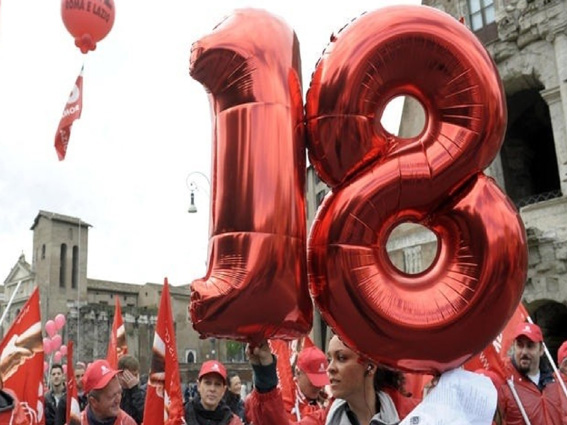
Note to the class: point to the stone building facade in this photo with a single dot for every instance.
(59, 269)
(528, 41)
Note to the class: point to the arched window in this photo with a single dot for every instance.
(191, 356)
(62, 265)
(75, 268)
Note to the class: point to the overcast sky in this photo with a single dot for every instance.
(145, 126)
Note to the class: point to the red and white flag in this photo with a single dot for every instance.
(285, 355)
(493, 357)
(117, 345)
(71, 112)
(73, 413)
(21, 360)
(164, 400)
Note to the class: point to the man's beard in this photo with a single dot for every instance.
(524, 367)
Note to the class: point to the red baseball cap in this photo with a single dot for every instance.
(530, 331)
(562, 353)
(98, 375)
(313, 363)
(213, 366)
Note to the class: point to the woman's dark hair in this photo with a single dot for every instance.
(386, 377)
(230, 376)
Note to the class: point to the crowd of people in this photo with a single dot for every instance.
(339, 387)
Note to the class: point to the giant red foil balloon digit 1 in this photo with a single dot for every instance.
(256, 282)
(435, 320)
(89, 21)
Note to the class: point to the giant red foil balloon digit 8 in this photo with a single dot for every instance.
(434, 320)
(256, 282)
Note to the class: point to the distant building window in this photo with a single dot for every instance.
(191, 356)
(70, 233)
(320, 196)
(412, 259)
(62, 265)
(317, 179)
(481, 13)
(43, 252)
(75, 268)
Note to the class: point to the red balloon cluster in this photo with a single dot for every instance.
(53, 343)
(89, 21)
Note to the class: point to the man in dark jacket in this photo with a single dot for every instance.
(538, 393)
(55, 394)
(133, 395)
(208, 407)
(60, 416)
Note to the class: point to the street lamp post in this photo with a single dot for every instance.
(193, 187)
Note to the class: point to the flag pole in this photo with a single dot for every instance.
(510, 382)
(10, 302)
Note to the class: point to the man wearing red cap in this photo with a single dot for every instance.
(537, 391)
(208, 407)
(104, 392)
(311, 378)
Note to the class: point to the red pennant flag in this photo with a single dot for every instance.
(493, 357)
(117, 345)
(284, 368)
(21, 360)
(73, 413)
(71, 112)
(164, 401)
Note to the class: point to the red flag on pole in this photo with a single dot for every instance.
(164, 400)
(21, 360)
(284, 367)
(73, 413)
(493, 357)
(71, 112)
(117, 345)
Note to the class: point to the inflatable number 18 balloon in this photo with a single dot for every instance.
(256, 283)
(435, 320)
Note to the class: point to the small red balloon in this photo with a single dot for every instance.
(50, 328)
(88, 21)
(47, 347)
(60, 321)
(56, 342)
